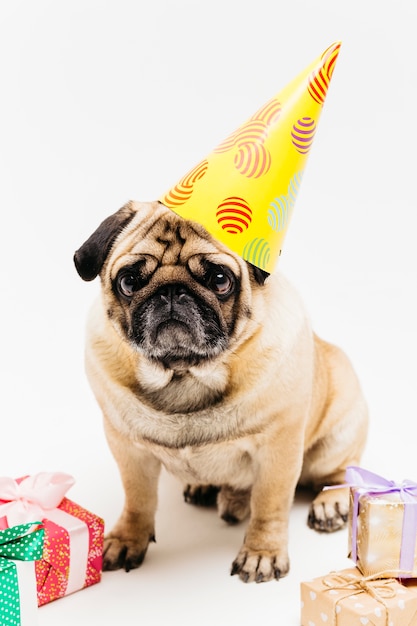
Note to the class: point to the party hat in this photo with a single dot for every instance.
(244, 192)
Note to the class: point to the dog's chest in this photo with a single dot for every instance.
(221, 463)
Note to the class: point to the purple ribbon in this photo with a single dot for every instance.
(365, 482)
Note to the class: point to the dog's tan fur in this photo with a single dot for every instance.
(278, 407)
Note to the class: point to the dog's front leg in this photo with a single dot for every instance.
(264, 554)
(126, 545)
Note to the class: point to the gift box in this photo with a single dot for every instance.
(20, 546)
(73, 546)
(347, 598)
(382, 525)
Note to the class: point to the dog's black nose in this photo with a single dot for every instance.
(173, 294)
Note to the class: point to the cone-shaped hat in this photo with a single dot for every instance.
(243, 193)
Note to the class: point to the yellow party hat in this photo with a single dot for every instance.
(244, 192)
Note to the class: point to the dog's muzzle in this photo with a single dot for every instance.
(176, 327)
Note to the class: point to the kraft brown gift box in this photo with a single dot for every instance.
(347, 598)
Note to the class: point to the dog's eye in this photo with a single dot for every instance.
(128, 284)
(221, 282)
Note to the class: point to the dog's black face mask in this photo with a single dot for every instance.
(175, 327)
(178, 324)
(174, 302)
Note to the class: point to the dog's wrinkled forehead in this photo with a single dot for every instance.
(168, 240)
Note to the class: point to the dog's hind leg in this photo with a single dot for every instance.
(201, 495)
(233, 504)
(329, 512)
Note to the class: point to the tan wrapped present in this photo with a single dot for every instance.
(382, 525)
(347, 598)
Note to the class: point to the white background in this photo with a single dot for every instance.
(106, 101)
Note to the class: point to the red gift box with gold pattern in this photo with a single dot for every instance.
(73, 547)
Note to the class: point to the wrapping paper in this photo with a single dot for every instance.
(20, 546)
(72, 557)
(73, 546)
(382, 525)
(347, 598)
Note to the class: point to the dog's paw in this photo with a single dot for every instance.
(329, 510)
(260, 565)
(233, 504)
(119, 553)
(201, 495)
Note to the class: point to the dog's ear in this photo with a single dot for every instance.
(259, 275)
(89, 259)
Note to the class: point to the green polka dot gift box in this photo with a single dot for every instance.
(73, 544)
(20, 547)
(347, 598)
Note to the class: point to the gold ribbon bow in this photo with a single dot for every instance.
(380, 589)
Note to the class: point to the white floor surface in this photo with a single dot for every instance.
(102, 102)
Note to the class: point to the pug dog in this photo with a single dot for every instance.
(208, 366)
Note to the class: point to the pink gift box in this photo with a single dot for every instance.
(73, 547)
